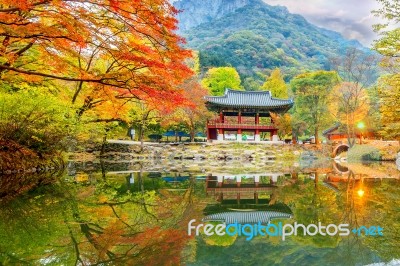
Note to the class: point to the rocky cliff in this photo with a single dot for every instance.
(196, 12)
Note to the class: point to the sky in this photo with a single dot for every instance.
(352, 18)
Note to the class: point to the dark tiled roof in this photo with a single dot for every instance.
(331, 129)
(249, 99)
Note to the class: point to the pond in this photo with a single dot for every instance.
(131, 214)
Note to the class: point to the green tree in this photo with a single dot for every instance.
(389, 93)
(144, 116)
(220, 78)
(388, 46)
(312, 91)
(276, 85)
(251, 84)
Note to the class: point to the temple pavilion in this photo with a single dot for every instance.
(244, 115)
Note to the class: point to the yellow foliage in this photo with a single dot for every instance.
(350, 103)
(276, 85)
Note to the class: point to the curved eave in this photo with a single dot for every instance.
(248, 100)
(277, 106)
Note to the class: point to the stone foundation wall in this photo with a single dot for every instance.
(212, 152)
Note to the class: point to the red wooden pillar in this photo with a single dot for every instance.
(220, 131)
(257, 131)
(239, 131)
(240, 117)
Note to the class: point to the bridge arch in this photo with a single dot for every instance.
(339, 149)
(340, 169)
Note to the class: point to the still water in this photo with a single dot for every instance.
(124, 214)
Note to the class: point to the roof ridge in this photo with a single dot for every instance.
(278, 99)
(240, 91)
(332, 128)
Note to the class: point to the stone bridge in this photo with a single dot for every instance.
(338, 149)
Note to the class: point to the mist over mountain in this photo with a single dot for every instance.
(255, 37)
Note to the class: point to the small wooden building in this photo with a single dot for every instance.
(338, 134)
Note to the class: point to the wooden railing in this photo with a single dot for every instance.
(240, 189)
(217, 124)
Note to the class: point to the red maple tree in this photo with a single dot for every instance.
(126, 47)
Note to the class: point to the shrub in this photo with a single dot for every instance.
(34, 118)
(363, 153)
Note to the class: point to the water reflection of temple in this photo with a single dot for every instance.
(244, 198)
(252, 193)
(242, 188)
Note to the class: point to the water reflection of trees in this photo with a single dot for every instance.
(109, 219)
(311, 203)
(97, 224)
(368, 201)
(351, 210)
(356, 199)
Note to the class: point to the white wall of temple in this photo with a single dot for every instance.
(273, 176)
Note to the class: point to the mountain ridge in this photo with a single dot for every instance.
(255, 37)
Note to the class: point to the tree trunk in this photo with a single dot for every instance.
(294, 137)
(103, 145)
(295, 175)
(353, 137)
(316, 135)
(142, 138)
(192, 133)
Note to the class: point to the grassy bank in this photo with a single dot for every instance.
(373, 152)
